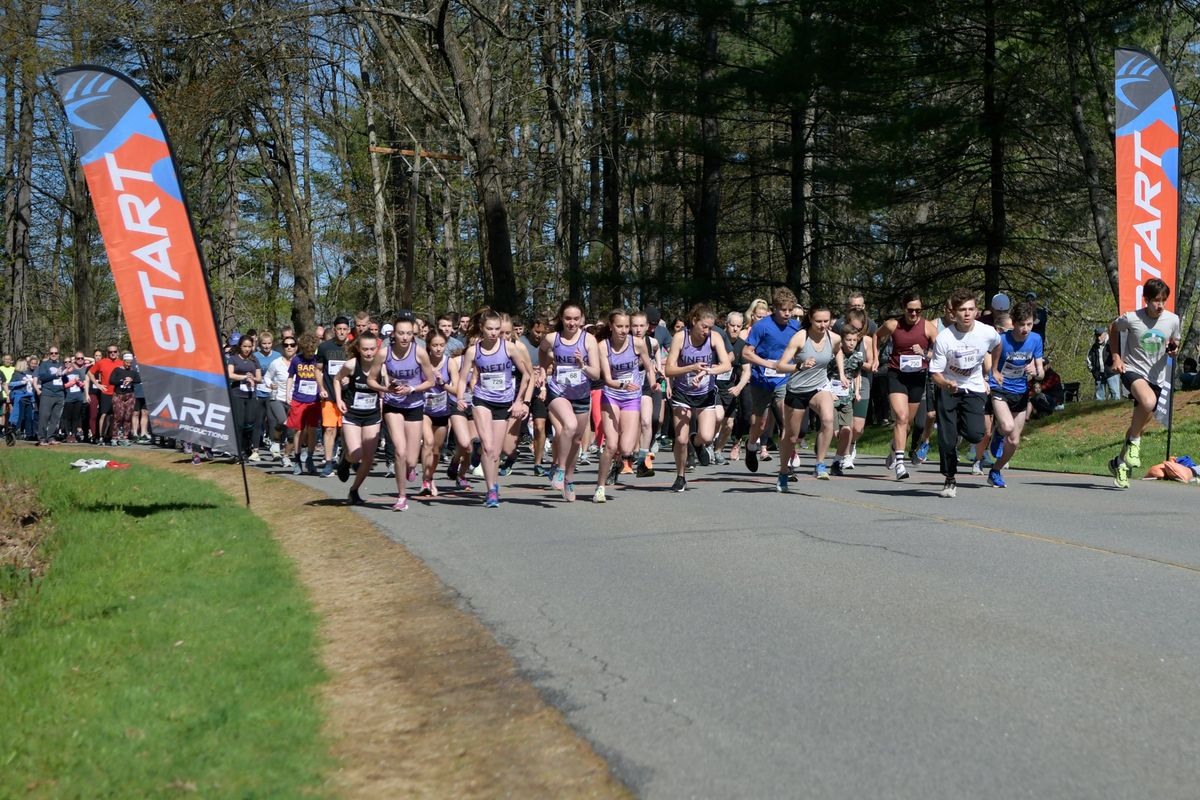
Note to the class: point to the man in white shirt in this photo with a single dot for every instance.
(1141, 342)
(962, 354)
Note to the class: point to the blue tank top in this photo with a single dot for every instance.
(404, 370)
(691, 354)
(495, 371)
(626, 367)
(566, 377)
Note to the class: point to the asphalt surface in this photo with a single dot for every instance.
(858, 637)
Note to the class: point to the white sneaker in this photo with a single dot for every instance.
(794, 463)
(976, 469)
(548, 447)
(274, 448)
(285, 462)
(949, 490)
(901, 472)
(254, 456)
(848, 461)
(477, 472)
(890, 461)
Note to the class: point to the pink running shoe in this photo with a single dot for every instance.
(401, 504)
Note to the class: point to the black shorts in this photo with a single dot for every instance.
(581, 406)
(911, 384)
(105, 403)
(1017, 402)
(537, 406)
(413, 414)
(439, 422)
(500, 411)
(694, 401)
(1127, 379)
(800, 400)
(455, 412)
(139, 404)
(362, 420)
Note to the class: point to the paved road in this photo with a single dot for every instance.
(856, 638)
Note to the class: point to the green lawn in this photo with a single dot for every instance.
(1084, 436)
(168, 649)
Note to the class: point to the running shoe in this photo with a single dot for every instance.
(197, 460)
(593, 449)
(274, 447)
(646, 468)
(627, 466)
(764, 455)
(425, 492)
(354, 498)
(680, 484)
(901, 472)
(599, 497)
(794, 461)
(751, 459)
(614, 474)
(704, 455)
(820, 471)
(721, 460)
(505, 471)
(583, 460)
(285, 462)
(1120, 473)
(464, 485)
(558, 478)
(451, 470)
(568, 491)
(922, 453)
(10, 438)
(476, 471)
(735, 452)
(492, 500)
(327, 470)
(655, 446)
(401, 504)
(539, 471)
(976, 468)
(390, 470)
(890, 460)
(836, 468)
(343, 470)
(412, 474)
(949, 489)
(781, 483)
(848, 462)
(996, 479)
(1133, 453)
(310, 466)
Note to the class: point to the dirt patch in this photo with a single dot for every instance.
(422, 701)
(22, 530)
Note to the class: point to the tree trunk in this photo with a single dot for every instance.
(380, 206)
(18, 224)
(993, 123)
(708, 205)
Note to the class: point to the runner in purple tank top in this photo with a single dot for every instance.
(625, 364)
(697, 354)
(403, 376)
(570, 360)
(436, 419)
(498, 395)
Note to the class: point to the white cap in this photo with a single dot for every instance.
(387, 329)
(127, 357)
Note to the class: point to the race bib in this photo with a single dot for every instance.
(307, 387)
(838, 389)
(493, 381)
(911, 363)
(56, 382)
(623, 377)
(965, 360)
(364, 401)
(244, 387)
(725, 376)
(1014, 369)
(771, 372)
(435, 403)
(334, 367)
(468, 397)
(569, 376)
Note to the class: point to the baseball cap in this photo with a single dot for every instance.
(653, 315)
(1000, 302)
(1099, 329)
(127, 357)
(1031, 295)
(234, 338)
(387, 329)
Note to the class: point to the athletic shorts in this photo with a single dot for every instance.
(412, 414)
(362, 420)
(861, 407)
(843, 416)
(455, 412)
(330, 416)
(762, 395)
(139, 404)
(304, 415)
(634, 404)
(698, 402)
(1017, 402)
(726, 400)
(1127, 379)
(439, 422)
(106, 403)
(800, 400)
(910, 384)
(537, 406)
(500, 411)
(581, 406)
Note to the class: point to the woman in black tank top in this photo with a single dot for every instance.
(359, 404)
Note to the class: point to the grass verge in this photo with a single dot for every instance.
(168, 648)
(1084, 436)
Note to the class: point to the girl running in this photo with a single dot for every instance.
(571, 362)
(403, 376)
(462, 422)
(650, 410)
(497, 393)
(697, 354)
(623, 368)
(304, 408)
(436, 422)
(810, 356)
(358, 401)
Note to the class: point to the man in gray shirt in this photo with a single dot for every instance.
(1141, 343)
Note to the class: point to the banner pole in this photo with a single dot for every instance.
(1170, 403)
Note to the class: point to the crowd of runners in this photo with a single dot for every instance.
(470, 393)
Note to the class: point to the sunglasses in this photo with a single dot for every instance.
(289, 344)
(112, 352)
(53, 352)
(914, 310)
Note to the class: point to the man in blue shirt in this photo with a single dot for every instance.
(767, 340)
(49, 385)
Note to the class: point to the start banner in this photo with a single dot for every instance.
(151, 245)
(1147, 117)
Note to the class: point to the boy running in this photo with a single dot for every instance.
(1019, 364)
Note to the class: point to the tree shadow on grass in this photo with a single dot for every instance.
(147, 509)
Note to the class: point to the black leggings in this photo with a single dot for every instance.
(72, 417)
(247, 416)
